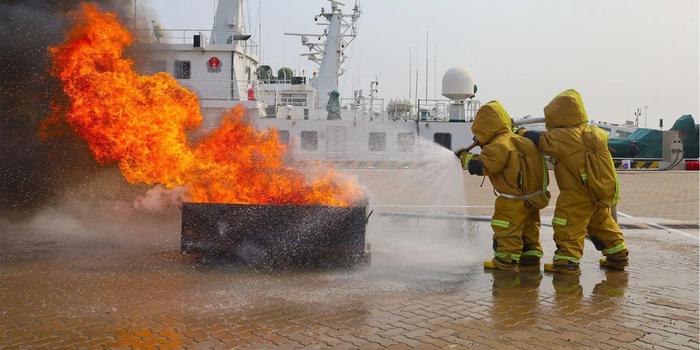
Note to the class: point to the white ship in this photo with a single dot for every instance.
(222, 67)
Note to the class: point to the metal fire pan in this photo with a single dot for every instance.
(275, 235)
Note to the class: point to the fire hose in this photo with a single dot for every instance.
(519, 122)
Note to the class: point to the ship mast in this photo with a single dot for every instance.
(328, 49)
(228, 22)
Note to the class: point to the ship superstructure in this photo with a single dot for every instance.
(218, 64)
(222, 66)
(327, 49)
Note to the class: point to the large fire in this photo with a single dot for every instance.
(141, 123)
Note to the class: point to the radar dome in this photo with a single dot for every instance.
(458, 84)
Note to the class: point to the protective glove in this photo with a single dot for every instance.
(521, 131)
(465, 157)
(475, 167)
(534, 136)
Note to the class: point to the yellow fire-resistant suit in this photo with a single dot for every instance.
(587, 181)
(518, 174)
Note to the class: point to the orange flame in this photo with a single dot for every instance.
(141, 123)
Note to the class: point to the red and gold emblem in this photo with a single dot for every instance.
(214, 65)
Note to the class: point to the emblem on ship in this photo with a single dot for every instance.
(214, 65)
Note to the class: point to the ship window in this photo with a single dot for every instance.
(309, 140)
(377, 141)
(182, 69)
(443, 139)
(157, 67)
(293, 99)
(405, 141)
(283, 136)
(336, 138)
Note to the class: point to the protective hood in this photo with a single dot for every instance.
(565, 110)
(491, 120)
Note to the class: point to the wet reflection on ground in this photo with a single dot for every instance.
(95, 283)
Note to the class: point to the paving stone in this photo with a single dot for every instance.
(78, 292)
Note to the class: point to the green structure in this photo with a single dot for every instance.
(688, 132)
(333, 106)
(285, 73)
(643, 143)
(264, 74)
(648, 143)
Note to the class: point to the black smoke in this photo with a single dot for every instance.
(34, 171)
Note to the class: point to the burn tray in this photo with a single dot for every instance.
(275, 235)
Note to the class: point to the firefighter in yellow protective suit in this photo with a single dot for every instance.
(518, 174)
(588, 185)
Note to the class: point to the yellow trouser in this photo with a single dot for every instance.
(575, 215)
(516, 230)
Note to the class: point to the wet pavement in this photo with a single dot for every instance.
(107, 278)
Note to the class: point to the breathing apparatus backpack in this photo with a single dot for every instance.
(534, 176)
(599, 174)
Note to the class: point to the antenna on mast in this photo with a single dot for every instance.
(427, 53)
(410, 71)
(416, 95)
(260, 49)
(247, 17)
(435, 96)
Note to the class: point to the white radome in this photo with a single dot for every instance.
(458, 84)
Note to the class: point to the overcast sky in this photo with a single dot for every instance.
(620, 54)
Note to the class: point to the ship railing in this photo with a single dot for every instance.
(186, 36)
(368, 108)
(222, 90)
(275, 81)
(281, 100)
(439, 110)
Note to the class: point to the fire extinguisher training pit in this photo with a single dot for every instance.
(276, 235)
